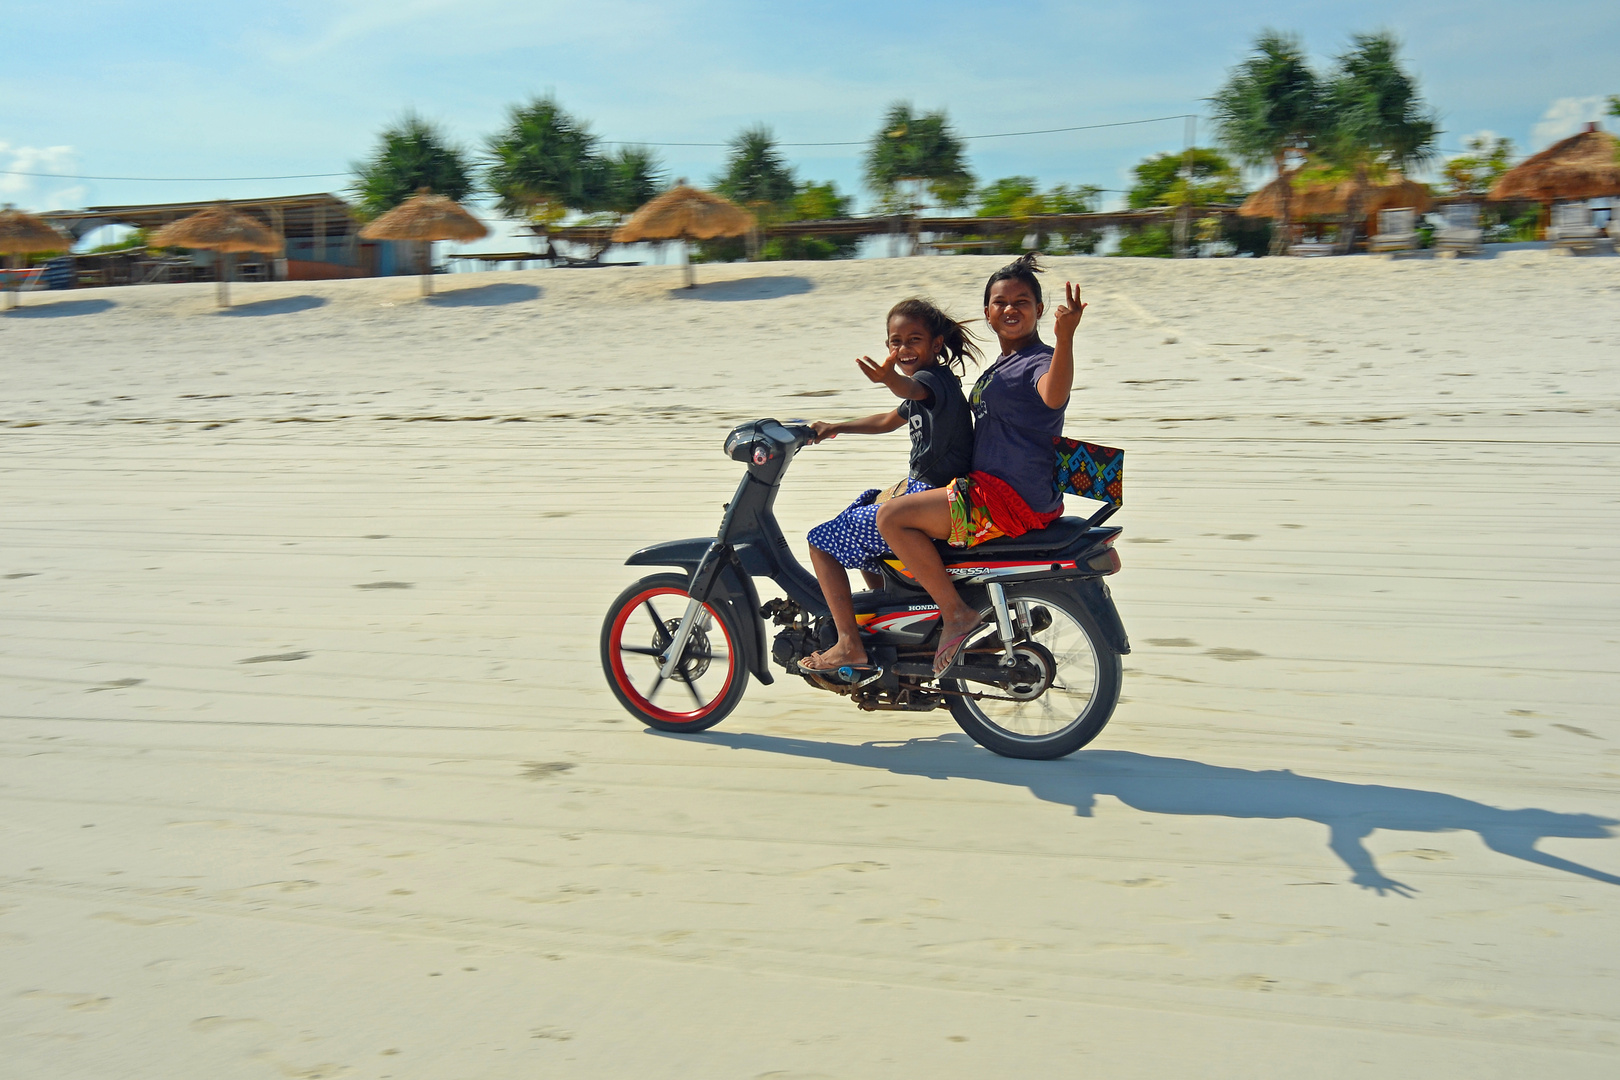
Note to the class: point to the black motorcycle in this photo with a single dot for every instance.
(1039, 681)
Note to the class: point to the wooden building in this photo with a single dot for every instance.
(321, 231)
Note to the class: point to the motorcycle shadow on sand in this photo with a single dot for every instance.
(1163, 785)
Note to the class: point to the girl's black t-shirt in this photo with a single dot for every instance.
(941, 428)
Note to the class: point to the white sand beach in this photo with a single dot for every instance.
(309, 767)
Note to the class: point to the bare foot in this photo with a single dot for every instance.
(835, 657)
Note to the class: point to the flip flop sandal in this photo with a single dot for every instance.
(950, 651)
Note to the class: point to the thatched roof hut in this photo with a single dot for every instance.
(1397, 191)
(220, 229)
(25, 234)
(685, 213)
(1583, 166)
(426, 217)
(1330, 199)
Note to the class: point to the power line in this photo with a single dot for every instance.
(18, 172)
(607, 142)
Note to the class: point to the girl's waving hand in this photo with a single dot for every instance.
(1069, 312)
(878, 373)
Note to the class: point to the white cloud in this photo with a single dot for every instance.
(1564, 118)
(39, 192)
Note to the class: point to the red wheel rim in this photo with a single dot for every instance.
(621, 675)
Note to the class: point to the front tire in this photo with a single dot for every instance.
(708, 681)
(1074, 708)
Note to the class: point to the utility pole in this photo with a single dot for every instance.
(1184, 213)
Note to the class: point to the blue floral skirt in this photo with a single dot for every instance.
(852, 537)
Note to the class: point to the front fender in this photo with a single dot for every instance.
(734, 589)
(685, 554)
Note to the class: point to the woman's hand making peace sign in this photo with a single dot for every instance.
(1068, 313)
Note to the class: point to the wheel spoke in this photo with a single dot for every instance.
(660, 634)
(656, 686)
(691, 684)
(640, 650)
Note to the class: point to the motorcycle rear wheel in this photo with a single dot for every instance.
(1071, 712)
(710, 677)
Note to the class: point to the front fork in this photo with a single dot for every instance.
(698, 592)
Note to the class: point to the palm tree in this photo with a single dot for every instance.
(635, 176)
(919, 149)
(1376, 118)
(410, 155)
(1271, 105)
(755, 174)
(544, 164)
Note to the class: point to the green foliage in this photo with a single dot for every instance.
(756, 176)
(1527, 226)
(1270, 104)
(820, 202)
(1483, 165)
(1614, 105)
(1011, 196)
(920, 150)
(810, 202)
(133, 240)
(1373, 109)
(411, 154)
(1161, 180)
(547, 163)
(1019, 198)
(1248, 236)
(634, 175)
(1079, 199)
(1149, 242)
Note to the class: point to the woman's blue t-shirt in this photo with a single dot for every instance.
(1013, 428)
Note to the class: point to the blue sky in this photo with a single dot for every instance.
(186, 89)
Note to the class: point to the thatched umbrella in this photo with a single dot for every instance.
(25, 234)
(1582, 166)
(426, 217)
(685, 213)
(219, 229)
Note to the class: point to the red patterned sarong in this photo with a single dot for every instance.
(984, 507)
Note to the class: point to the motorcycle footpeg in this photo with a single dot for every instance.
(856, 675)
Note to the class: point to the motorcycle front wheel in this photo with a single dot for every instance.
(1081, 688)
(710, 677)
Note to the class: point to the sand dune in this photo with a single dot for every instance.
(309, 768)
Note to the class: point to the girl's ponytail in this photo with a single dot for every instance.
(959, 342)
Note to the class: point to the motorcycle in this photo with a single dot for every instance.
(1040, 679)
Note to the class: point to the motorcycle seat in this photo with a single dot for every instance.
(1054, 539)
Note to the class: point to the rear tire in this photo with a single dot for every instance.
(1074, 708)
(711, 676)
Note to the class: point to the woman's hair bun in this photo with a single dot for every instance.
(1024, 268)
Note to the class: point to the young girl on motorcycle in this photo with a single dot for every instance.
(1018, 406)
(927, 349)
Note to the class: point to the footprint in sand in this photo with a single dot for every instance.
(386, 585)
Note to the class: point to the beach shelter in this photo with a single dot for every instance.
(1334, 198)
(25, 234)
(1583, 166)
(685, 213)
(426, 217)
(224, 231)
